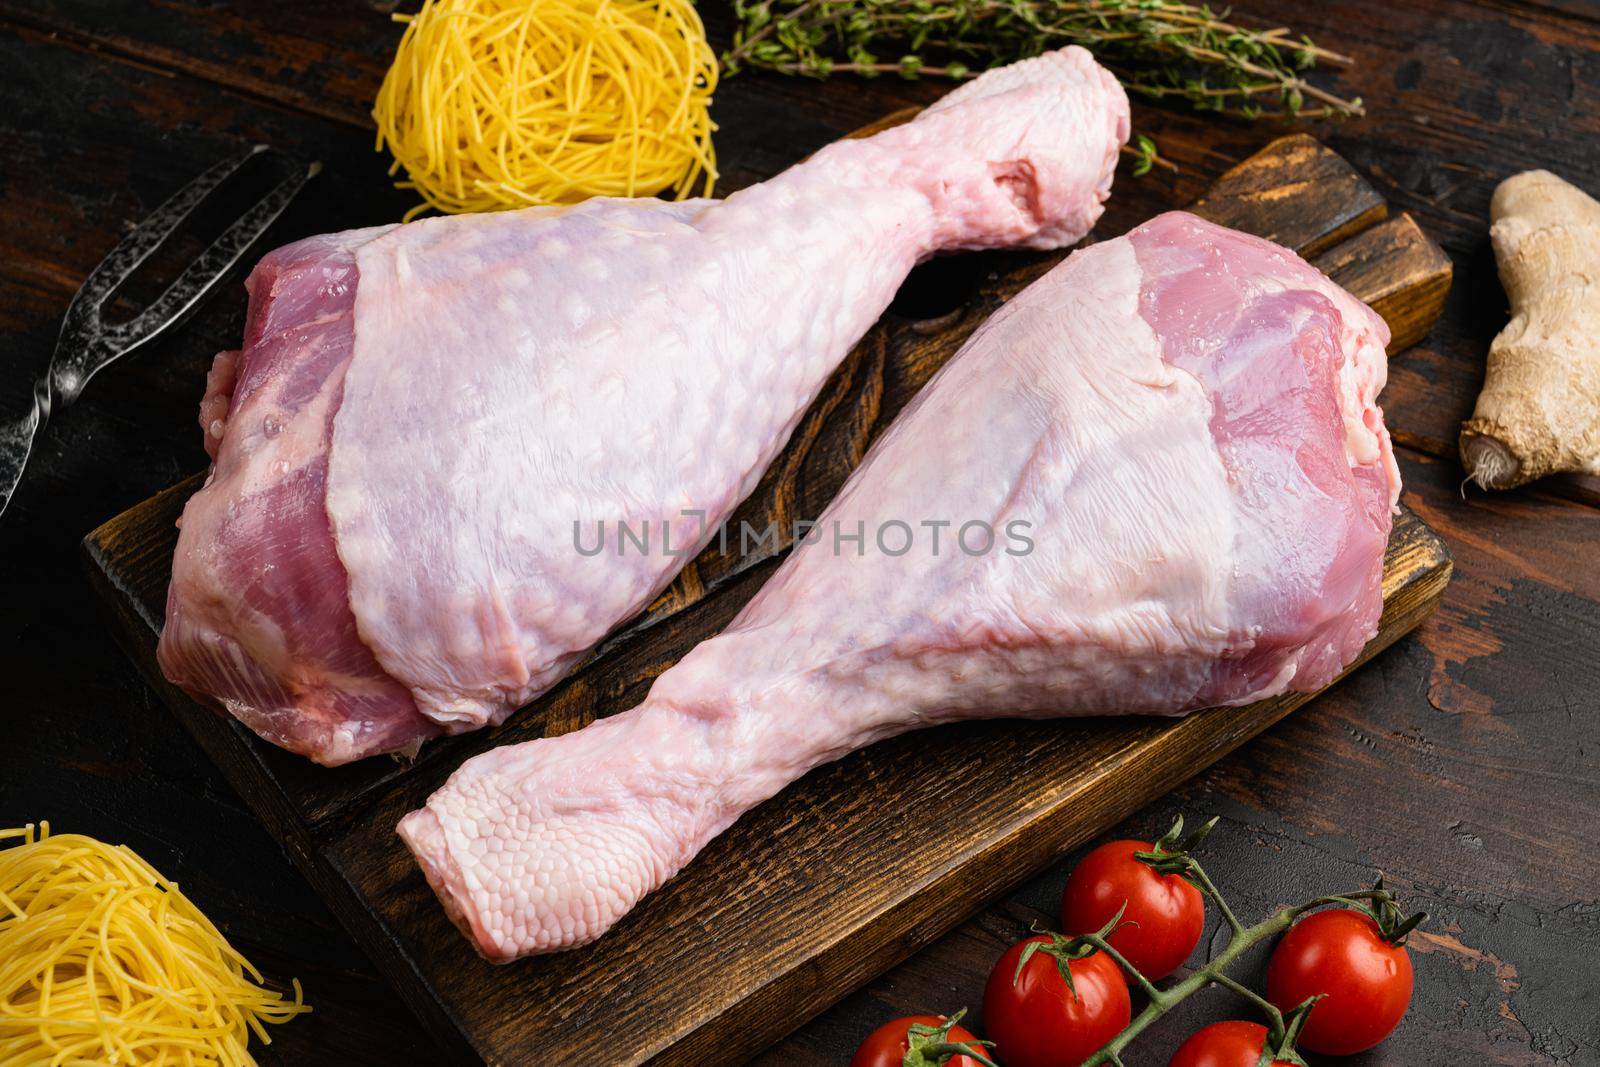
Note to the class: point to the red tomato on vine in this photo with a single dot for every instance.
(931, 1037)
(1163, 915)
(1362, 972)
(1231, 1044)
(1036, 1020)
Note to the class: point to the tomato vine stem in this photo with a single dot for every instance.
(1166, 999)
(1203, 882)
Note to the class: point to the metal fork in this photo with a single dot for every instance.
(88, 344)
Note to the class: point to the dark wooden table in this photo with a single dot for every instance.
(1464, 763)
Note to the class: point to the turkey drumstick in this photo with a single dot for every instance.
(1162, 483)
(422, 417)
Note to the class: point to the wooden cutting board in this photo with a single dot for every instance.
(861, 862)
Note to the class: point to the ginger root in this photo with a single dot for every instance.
(1539, 412)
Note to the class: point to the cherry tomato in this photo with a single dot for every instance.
(1167, 913)
(1036, 1021)
(1230, 1044)
(1367, 981)
(888, 1044)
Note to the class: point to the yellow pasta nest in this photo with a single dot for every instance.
(104, 961)
(494, 104)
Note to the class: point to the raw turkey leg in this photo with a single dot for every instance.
(1174, 440)
(428, 424)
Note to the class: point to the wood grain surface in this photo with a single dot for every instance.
(779, 916)
(1465, 763)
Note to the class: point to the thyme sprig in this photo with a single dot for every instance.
(1159, 49)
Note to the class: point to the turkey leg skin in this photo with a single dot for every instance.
(1175, 440)
(463, 404)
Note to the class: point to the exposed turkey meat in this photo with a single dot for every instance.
(422, 417)
(1175, 440)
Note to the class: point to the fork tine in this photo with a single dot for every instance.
(155, 229)
(211, 265)
(87, 344)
